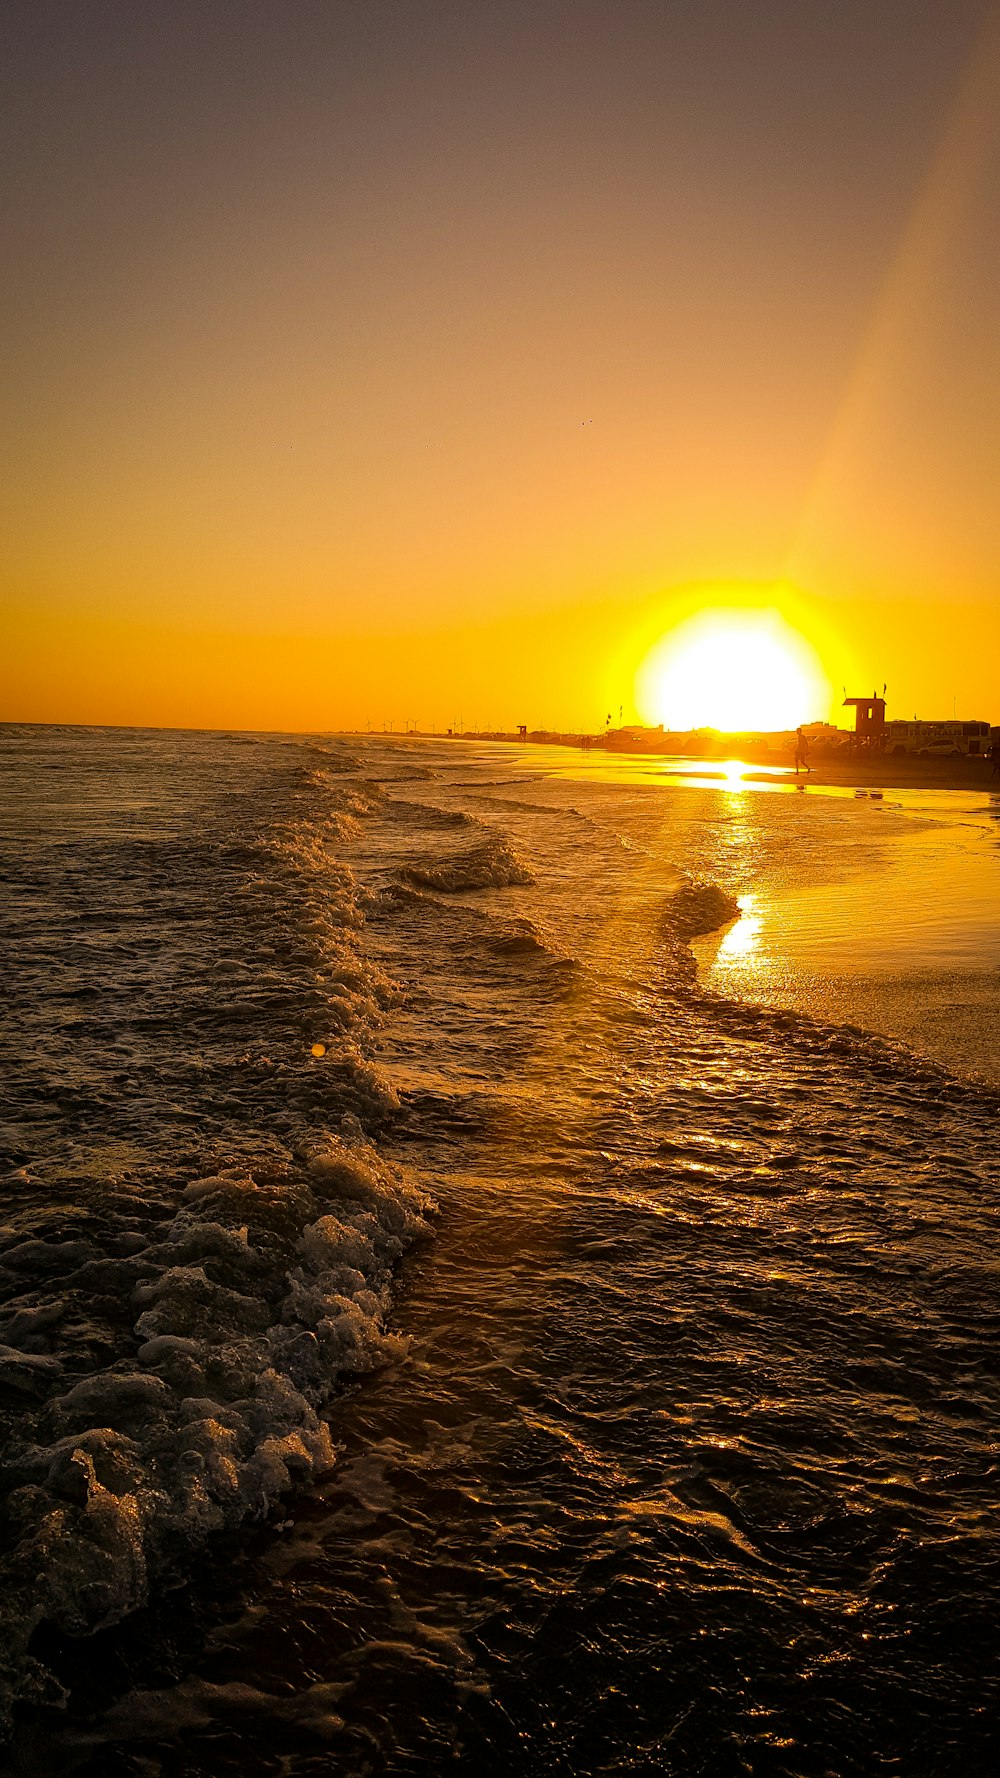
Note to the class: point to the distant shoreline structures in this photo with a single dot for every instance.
(916, 740)
(946, 755)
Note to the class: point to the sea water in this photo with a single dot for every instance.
(499, 1264)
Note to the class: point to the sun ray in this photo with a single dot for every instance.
(890, 341)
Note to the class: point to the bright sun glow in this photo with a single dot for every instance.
(732, 670)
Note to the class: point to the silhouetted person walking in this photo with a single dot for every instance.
(801, 752)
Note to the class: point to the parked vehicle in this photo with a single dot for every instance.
(943, 739)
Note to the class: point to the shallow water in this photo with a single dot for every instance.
(681, 1452)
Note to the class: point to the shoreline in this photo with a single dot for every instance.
(888, 772)
(894, 773)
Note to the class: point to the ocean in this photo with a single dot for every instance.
(499, 1266)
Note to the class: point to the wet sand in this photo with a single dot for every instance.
(897, 772)
(888, 772)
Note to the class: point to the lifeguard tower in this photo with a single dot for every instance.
(869, 723)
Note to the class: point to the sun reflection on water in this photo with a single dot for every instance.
(741, 941)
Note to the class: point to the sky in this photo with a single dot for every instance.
(427, 362)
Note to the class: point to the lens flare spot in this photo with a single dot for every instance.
(318, 1049)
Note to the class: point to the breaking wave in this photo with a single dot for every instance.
(493, 865)
(176, 1313)
(257, 1296)
(698, 908)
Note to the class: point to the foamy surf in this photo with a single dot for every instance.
(258, 1296)
(707, 1293)
(165, 1365)
(493, 865)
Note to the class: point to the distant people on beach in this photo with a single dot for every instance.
(801, 752)
(995, 758)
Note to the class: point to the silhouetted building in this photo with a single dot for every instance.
(869, 722)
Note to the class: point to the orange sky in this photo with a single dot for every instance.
(379, 363)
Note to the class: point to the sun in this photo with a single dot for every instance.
(734, 670)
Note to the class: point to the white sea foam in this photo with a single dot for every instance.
(255, 1299)
(135, 1436)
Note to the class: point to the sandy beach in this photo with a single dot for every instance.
(891, 772)
(844, 770)
(898, 772)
